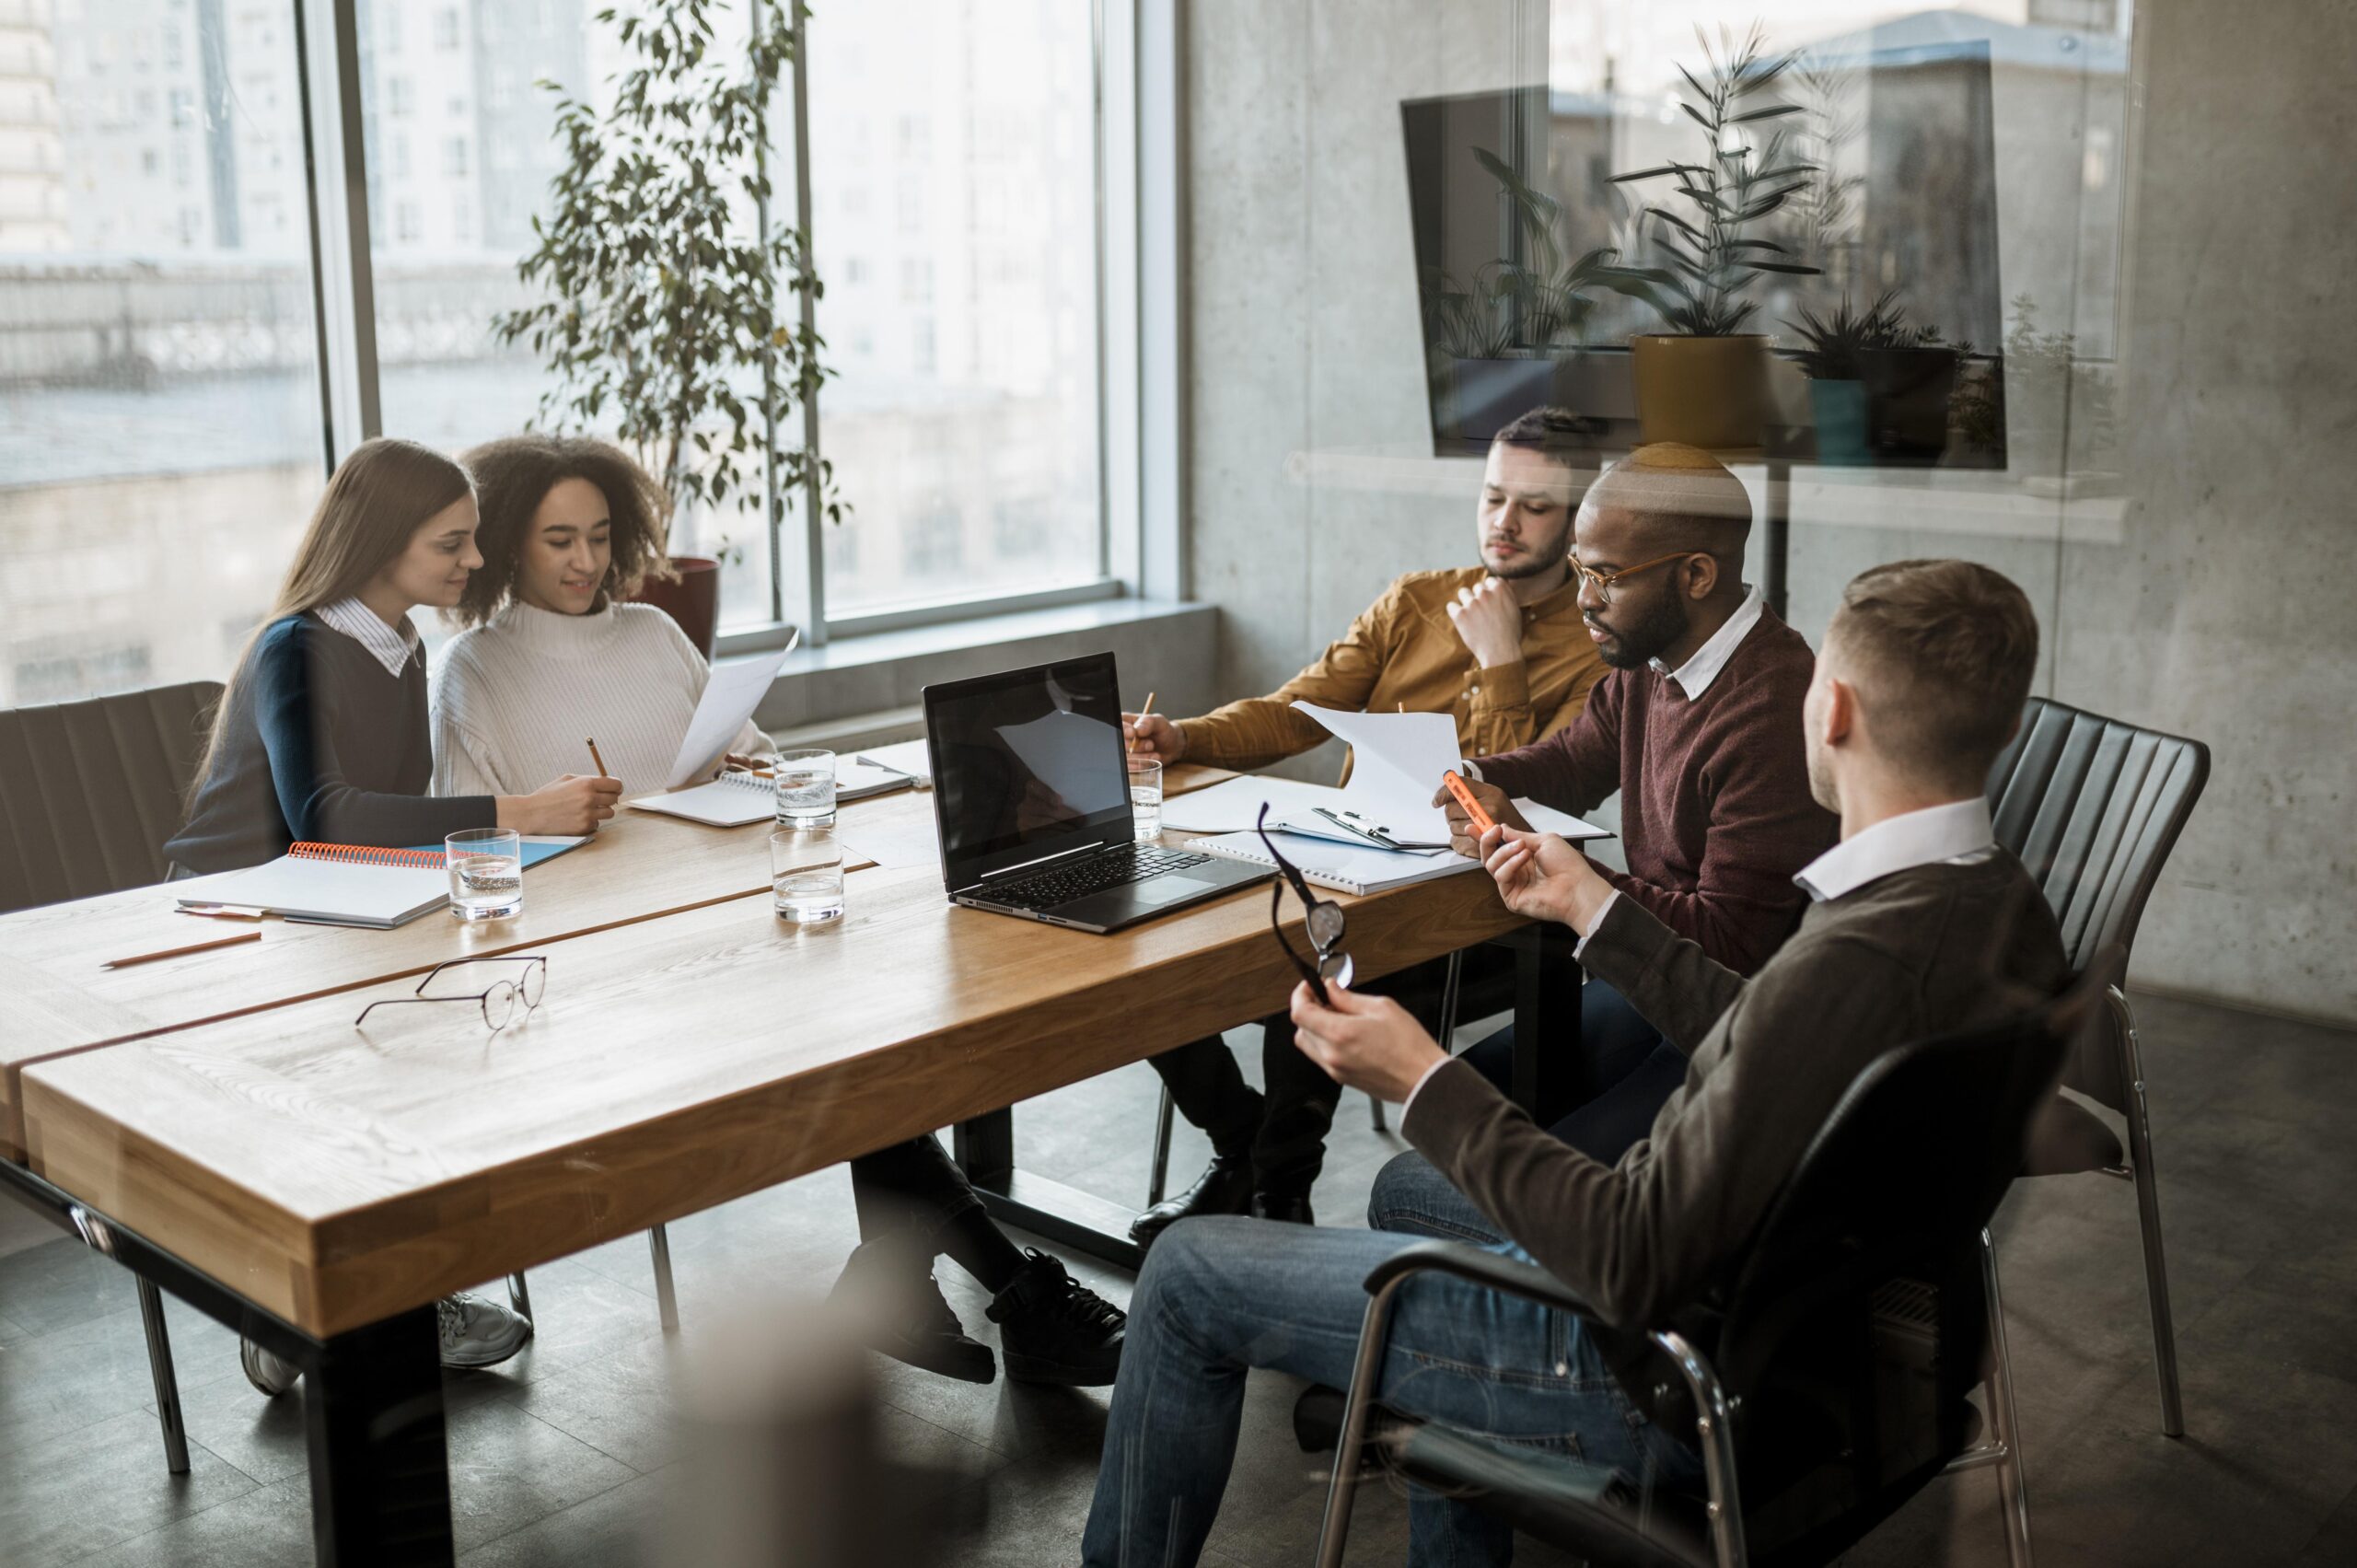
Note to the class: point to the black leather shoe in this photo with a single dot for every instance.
(1055, 1330)
(902, 1313)
(1224, 1187)
(1273, 1206)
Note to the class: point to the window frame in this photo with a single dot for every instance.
(1139, 348)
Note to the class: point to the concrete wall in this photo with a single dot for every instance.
(2205, 590)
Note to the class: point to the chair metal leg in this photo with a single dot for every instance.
(2148, 1213)
(2012, 1491)
(1714, 1424)
(1375, 1109)
(1159, 1178)
(667, 1301)
(168, 1385)
(1342, 1492)
(520, 1295)
(1451, 990)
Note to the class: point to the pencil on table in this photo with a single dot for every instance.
(599, 760)
(180, 952)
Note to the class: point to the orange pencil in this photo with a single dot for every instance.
(599, 760)
(1481, 823)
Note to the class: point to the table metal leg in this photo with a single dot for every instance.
(380, 1475)
(1546, 1017)
(984, 1149)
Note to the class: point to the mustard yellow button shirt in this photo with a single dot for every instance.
(1404, 651)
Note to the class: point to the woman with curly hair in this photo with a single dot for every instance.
(554, 652)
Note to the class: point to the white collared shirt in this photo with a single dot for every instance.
(1953, 834)
(1694, 677)
(367, 628)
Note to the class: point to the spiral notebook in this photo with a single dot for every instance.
(1329, 863)
(331, 885)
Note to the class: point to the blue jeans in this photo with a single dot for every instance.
(1219, 1296)
(1626, 1071)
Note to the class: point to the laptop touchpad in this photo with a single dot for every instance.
(1162, 890)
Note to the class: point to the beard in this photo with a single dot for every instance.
(1640, 641)
(1531, 565)
(1821, 787)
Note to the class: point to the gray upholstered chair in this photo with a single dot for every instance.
(2092, 807)
(90, 791)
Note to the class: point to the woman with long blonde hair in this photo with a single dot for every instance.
(322, 734)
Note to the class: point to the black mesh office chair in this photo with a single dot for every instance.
(2092, 807)
(1832, 1384)
(89, 793)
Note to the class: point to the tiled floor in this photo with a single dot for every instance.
(567, 1455)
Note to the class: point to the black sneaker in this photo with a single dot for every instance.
(1224, 1187)
(901, 1313)
(1054, 1329)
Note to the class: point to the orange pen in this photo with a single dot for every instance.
(1481, 823)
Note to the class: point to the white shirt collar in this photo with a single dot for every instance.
(364, 626)
(1948, 834)
(1694, 677)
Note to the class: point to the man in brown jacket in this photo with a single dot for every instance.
(1918, 923)
(1498, 646)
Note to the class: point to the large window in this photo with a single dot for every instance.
(159, 392)
(164, 423)
(954, 213)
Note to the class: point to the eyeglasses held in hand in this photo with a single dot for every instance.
(1323, 920)
(498, 1001)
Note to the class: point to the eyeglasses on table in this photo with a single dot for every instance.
(498, 1000)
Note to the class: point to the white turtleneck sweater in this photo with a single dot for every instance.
(517, 697)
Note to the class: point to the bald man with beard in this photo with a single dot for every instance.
(1697, 729)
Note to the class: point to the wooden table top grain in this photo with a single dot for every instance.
(336, 1175)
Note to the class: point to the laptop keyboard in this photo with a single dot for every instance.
(1113, 869)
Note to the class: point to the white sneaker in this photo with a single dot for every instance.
(476, 1332)
(271, 1373)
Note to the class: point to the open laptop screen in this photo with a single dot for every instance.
(1026, 764)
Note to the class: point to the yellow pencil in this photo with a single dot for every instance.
(599, 760)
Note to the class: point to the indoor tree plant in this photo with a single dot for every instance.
(1705, 381)
(669, 310)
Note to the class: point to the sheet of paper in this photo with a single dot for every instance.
(908, 757)
(1396, 763)
(1563, 824)
(729, 699)
(1232, 805)
(891, 842)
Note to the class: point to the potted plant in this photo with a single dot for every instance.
(670, 312)
(1498, 338)
(1705, 381)
(1878, 388)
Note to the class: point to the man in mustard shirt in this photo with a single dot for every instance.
(1500, 647)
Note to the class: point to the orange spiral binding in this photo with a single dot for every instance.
(359, 854)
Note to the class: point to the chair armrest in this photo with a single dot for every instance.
(1477, 1266)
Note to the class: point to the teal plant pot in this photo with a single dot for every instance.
(1839, 411)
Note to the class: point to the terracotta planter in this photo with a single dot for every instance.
(693, 598)
(1710, 392)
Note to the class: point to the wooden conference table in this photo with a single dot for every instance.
(218, 1124)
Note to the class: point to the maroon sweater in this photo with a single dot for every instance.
(1715, 812)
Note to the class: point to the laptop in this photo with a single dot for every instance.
(1032, 796)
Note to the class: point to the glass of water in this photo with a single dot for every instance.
(1145, 797)
(486, 873)
(805, 789)
(806, 874)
